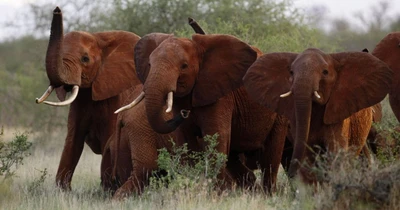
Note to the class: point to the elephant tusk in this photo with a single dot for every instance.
(71, 99)
(45, 95)
(169, 102)
(286, 94)
(316, 94)
(134, 102)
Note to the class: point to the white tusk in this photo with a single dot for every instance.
(169, 102)
(286, 94)
(316, 94)
(45, 95)
(134, 102)
(71, 99)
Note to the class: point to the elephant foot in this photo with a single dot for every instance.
(63, 185)
(131, 186)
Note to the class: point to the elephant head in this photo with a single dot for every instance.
(337, 85)
(203, 69)
(100, 61)
(388, 50)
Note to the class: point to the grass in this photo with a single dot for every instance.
(349, 184)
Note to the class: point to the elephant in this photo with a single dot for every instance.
(204, 75)
(326, 97)
(100, 66)
(388, 50)
(134, 148)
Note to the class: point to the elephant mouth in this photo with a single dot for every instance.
(68, 88)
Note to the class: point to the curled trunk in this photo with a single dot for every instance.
(156, 113)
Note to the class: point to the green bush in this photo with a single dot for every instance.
(189, 170)
(13, 153)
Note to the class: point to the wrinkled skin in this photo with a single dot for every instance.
(102, 65)
(134, 148)
(388, 50)
(205, 75)
(347, 83)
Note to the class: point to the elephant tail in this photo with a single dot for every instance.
(118, 140)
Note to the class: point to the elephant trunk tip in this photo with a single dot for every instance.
(57, 10)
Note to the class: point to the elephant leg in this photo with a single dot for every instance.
(287, 154)
(106, 171)
(272, 154)
(360, 125)
(72, 151)
(144, 162)
(242, 175)
(217, 119)
(337, 137)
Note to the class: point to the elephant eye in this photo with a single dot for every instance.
(85, 59)
(291, 72)
(184, 66)
(325, 72)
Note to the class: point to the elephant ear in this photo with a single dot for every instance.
(145, 46)
(117, 71)
(362, 81)
(225, 60)
(268, 78)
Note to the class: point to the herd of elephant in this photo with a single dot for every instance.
(268, 109)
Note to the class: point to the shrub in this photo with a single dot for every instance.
(189, 170)
(13, 153)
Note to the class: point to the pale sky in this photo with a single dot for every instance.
(335, 8)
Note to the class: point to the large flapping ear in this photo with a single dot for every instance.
(225, 60)
(145, 46)
(117, 72)
(268, 78)
(362, 81)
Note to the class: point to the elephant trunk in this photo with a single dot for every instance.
(54, 61)
(156, 99)
(303, 105)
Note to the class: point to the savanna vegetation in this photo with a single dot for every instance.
(32, 135)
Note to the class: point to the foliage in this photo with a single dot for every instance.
(189, 170)
(351, 183)
(12, 154)
(37, 185)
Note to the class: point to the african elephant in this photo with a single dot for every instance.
(134, 148)
(325, 96)
(388, 50)
(204, 75)
(101, 67)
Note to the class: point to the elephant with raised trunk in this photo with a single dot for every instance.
(204, 75)
(100, 66)
(327, 98)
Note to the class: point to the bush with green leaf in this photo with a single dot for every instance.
(13, 153)
(189, 170)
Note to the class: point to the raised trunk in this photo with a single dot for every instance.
(54, 65)
(303, 118)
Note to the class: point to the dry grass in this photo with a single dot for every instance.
(348, 184)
